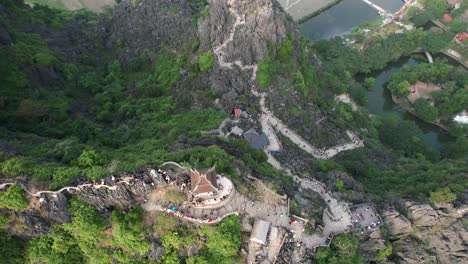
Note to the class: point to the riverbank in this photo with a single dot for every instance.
(316, 12)
(406, 104)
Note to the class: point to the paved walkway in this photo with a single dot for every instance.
(219, 49)
(273, 121)
(74, 188)
(122, 180)
(337, 217)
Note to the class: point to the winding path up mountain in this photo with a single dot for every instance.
(268, 119)
(338, 218)
(75, 188)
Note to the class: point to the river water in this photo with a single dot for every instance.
(380, 102)
(339, 20)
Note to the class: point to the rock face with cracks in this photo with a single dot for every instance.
(149, 25)
(239, 33)
(427, 234)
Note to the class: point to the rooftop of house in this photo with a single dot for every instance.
(203, 181)
(255, 140)
(447, 18)
(260, 231)
(462, 36)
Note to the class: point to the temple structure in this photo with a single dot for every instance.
(203, 181)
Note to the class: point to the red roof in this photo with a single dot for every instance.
(237, 112)
(462, 36)
(447, 18)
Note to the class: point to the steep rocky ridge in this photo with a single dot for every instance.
(427, 234)
(262, 24)
(150, 25)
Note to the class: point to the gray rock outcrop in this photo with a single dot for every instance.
(428, 235)
(55, 207)
(149, 25)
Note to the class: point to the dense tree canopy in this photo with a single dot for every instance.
(13, 198)
(343, 249)
(425, 110)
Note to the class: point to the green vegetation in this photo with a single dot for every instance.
(343, 249)
(13, 198)
(51, 3)
(437, 39)
(265, 73)
(382, 254)
(341, 58)
(401, 135)
(434, 10)
(291, 62)
(11, 249)
(205, 61)
(369, 83)
(340, 185)
(452, 99)
(14, 167)
(442, 195)
(129, 232)
(425, 110)
(165, 76)
(222, 244)
(3, 220)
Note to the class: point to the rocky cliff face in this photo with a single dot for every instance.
(246, 30)
(149, 25)
(428, 235)
(265, 23)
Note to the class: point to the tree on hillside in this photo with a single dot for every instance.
(223, 246)
(285, 51)
(129, 232)
(401, 135)
(456, 149)
(300, 84)
(89, 158)
(442, 195)
(343, 249)
(400, 89)
(425, 110)
(14, 167)
(13, 198)
(437, 40)
(11, 249)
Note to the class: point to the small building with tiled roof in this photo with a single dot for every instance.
(462, 36)
(237, 112)
(447, 18)
(203, 181)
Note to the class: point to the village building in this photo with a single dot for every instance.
(462, 36)
(260, 231)
(447, 18)
(237, 112)
(237, 131)
(255, 140)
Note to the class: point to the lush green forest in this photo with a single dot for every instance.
(89, 239)
(92, 117)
